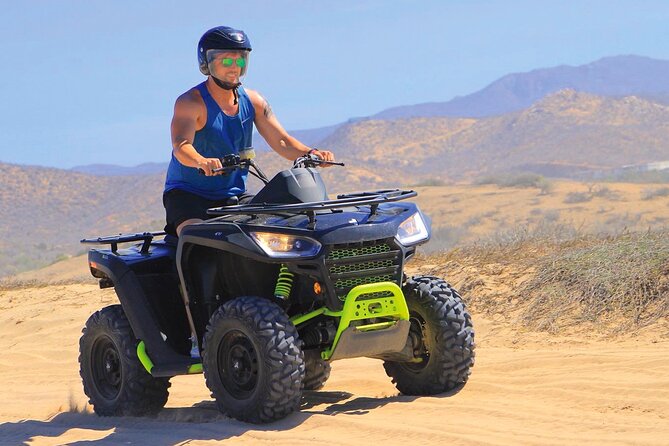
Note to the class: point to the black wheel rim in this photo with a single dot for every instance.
(106, 368)
(418, 334)
(238, 364)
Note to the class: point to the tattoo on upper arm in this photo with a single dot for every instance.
(267, 109)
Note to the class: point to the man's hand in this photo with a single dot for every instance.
(208, 165)
(325, 155)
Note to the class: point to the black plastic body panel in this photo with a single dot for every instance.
(148, 288)
(173, 287)
(301, 185)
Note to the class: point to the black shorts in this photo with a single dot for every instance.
(181, 206)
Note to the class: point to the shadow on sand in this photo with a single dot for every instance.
(173, 426)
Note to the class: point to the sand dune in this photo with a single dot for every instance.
(526, 388)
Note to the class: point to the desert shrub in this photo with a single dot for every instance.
(552, 215)
(649, 194)
(577, 197)
(429, 182)
(616, 224)
(474, 220)
(624, 275)
(522, 180)
(544, 231)
(445, 238)
(651, 176)
(545, 187)
(597, 190)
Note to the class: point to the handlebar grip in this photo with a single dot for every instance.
(219, 169)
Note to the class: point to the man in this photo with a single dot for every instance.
(213, 119)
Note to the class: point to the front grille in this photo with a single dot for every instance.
(356, 264)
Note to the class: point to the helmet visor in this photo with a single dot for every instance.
(228, 65)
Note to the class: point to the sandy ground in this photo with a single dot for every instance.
(526, 388)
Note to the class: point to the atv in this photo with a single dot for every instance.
(262, 297)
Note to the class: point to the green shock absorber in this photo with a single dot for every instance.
(284, 283)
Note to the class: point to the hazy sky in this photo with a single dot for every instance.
(85, 82)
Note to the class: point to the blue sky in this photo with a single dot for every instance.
(85, 82)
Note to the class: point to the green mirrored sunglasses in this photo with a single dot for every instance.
(228, 61)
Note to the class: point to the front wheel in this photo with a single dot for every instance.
(442, 337)
(252, 360)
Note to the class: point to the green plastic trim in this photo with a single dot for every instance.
(143, 357)
(195, 368)
(302, 318)
(394, 306)
(148, 364)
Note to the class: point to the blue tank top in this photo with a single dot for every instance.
(222, 135)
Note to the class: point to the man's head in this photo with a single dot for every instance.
(223, 53)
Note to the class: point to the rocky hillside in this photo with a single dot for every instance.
(47, 211)
(566, 128)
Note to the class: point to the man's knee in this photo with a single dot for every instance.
(190, 221)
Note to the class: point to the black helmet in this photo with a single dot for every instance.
(220, 38)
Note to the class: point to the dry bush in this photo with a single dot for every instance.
(597, 190)
(547, 231)
(577, 197)
(555, 277)
(650, 176)
(521, 180)
(444, 238)
(429, 182)
(649, 194)
(618, 276)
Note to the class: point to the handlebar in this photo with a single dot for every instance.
(245, 160)
(229, 163)
(311, 160)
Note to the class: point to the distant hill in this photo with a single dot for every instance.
(45, 212)
(113, 170)
(310, 137)
(567, 128)
(610, 76)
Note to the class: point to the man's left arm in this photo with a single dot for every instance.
(276, 136)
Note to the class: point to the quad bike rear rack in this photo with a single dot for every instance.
(371, 199)
(114, 240)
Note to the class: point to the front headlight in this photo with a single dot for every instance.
(412, 230)
(282, 245)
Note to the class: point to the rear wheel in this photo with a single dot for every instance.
(252, 360)
(442, 337)
(114, 380)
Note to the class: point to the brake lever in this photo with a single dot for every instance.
(313, 159)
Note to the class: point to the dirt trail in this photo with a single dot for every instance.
(526, 388)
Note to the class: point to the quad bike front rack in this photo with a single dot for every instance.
(371, 199)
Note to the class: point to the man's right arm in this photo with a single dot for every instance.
(187, 111)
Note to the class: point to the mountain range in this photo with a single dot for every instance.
(611, 76)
